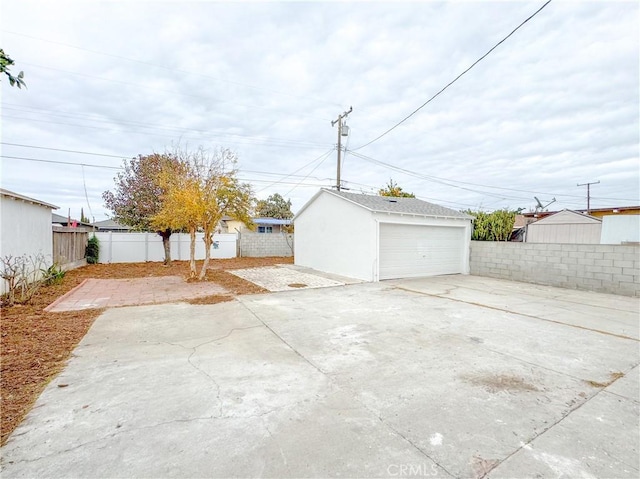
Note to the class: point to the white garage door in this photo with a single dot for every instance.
(413, 250)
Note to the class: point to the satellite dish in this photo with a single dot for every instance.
(538, 201)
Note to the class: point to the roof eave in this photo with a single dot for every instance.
(17, 196)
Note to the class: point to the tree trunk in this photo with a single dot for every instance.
(165, 235)
(208, 239)
(192, 254)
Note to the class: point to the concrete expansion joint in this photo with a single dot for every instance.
(508, 311)
(413, 444)
(304, 358)
(571, 410)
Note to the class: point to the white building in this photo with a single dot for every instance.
(376, 237)
(25, 227)
(566, 226)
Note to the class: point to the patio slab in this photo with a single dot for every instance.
(284, 279)
(436, 377)
(109, 293)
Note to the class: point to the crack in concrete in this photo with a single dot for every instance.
(194, 349)
(111, 435)
(551, 426)
(284, 457)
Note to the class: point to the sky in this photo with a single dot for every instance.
(553, 106)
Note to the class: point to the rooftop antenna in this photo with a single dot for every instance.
(540, 206)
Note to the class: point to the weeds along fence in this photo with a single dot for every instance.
(140, 247)
(69, 245)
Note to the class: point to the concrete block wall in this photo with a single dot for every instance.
(260, 245)
(601, 268)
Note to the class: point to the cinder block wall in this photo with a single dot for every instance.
(260, 245)
(601, 268)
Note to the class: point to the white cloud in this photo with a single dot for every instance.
(555, 105)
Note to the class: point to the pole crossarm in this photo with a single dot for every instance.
(588, 185)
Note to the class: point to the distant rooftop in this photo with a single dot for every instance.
(111, 225)
(271, 221)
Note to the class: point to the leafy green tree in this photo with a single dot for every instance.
(198, 193)
(392, 189)
(138, 194)
(5, 63)
(275, 206)
(496, 226)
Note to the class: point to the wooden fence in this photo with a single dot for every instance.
(69, 245)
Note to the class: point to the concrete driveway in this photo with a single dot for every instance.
(455, 376)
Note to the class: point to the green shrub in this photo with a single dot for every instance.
(93, 250)
(54, 274)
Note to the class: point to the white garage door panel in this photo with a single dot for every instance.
(413, 250)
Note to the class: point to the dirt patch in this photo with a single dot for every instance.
(35, 344)
(496, 383)
(297, 285)
(612, 378)
(482, 467)
(212, 299)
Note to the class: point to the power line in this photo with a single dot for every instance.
(60, 162)
(314, 169)
(324, 155)
(256, 180)
(448, 181)
(455, 79)
(429, 178)
(62, 150)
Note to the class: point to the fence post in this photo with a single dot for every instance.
(110, 247)
(146, 246)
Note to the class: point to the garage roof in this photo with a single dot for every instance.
(386, 204)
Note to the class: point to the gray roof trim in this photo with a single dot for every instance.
(399, 206)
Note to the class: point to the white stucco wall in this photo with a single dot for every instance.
(335, 236)
(25, 229)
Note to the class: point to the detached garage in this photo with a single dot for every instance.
(377, 237)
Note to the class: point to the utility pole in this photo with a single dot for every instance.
(340, 125)
(588, 185)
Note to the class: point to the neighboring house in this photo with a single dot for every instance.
(376, 237)
(623, 229)
(25, 227)
(263, 225)
(566, 226)
(59, 220)
(111, 225)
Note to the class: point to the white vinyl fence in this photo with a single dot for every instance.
(140, 247)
